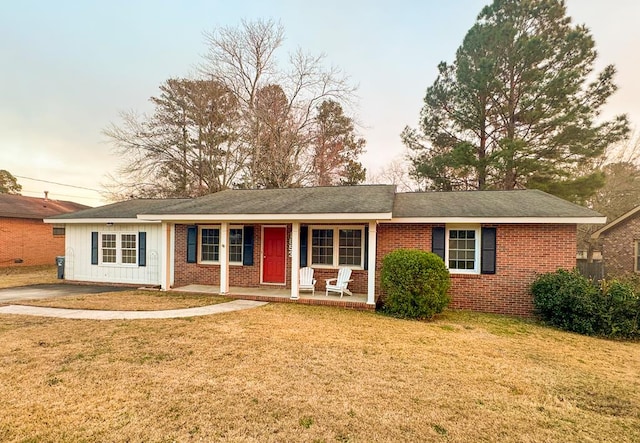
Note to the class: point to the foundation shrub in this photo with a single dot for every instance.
(416, 284)
(570, 301)
(619, 310)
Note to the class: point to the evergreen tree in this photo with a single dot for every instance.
(518, 107)
(8, 183)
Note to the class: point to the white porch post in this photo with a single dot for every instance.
(224, 258)
(295, 260)
(172, 254)
(371, 282)
(165, 257)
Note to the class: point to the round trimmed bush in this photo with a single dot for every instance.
(415, 282)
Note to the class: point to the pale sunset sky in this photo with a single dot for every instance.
(67, 68)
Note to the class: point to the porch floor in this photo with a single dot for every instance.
(282, 295)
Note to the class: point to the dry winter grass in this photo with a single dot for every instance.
(285, 372)
(135, 300)
(10, 277)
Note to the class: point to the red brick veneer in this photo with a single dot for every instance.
(29, 240)
(246, 276)
(523, 251)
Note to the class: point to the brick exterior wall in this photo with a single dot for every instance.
(618, 246)
(523, 251)
(29, 240)
(205, 274)
(246, 276)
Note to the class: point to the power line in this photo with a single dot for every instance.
(56, 183)
(54, 194)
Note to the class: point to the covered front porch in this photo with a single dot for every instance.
(283, 295)
(251, 259)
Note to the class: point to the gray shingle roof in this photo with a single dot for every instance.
(494, 204)
(124, 209)
(320, 200)
(369, 199)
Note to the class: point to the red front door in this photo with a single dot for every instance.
(274, 258)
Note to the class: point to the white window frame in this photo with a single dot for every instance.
(208, 262)
(118, 248)
(477, 229)
(336, 246)
(236, 263)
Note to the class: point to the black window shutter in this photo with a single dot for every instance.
(247, 247)
(304, 238)
(366, 248)
(142, 249)
(488, 258)
(94, 248)
(192, 244)
(437, 241)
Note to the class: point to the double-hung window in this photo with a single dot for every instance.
(350, 243)
(209, 239)
(209, 244)
(235, 244)
(337, 246)
(463, 250)
(117, 248)
(322, 247)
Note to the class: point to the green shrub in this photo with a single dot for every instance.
(566, 299)
(570, 301)
(619, 310)
(415, 283)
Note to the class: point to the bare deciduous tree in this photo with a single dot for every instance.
(244, 59)
(187, 147)
(250, 122)
(396, 172)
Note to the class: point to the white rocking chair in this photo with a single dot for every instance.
(307, 282)
(341, 282)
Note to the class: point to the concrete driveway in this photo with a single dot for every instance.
(47, 291)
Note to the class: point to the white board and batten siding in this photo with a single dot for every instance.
(78, 266)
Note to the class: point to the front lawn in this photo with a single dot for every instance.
(28, 275)
(134, 300)
(285, 372)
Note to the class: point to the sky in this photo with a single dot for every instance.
(68, 68)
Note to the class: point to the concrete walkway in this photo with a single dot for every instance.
(87, 314)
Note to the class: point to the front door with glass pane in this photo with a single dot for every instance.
(274, 257)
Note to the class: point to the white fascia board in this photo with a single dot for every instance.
(345, 217)
(500, 220)
(115, 221)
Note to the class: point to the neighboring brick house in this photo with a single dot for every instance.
(493, 242)
(619, 243)
(25, 240)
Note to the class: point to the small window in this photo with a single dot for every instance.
(235, 245)
(58, 231)
(129, 248)
(210, 244)
(462, 250)
(350, 245)
(637, 257)
(322, 247)
(109, 248)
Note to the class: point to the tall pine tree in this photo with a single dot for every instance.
(518, 107)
